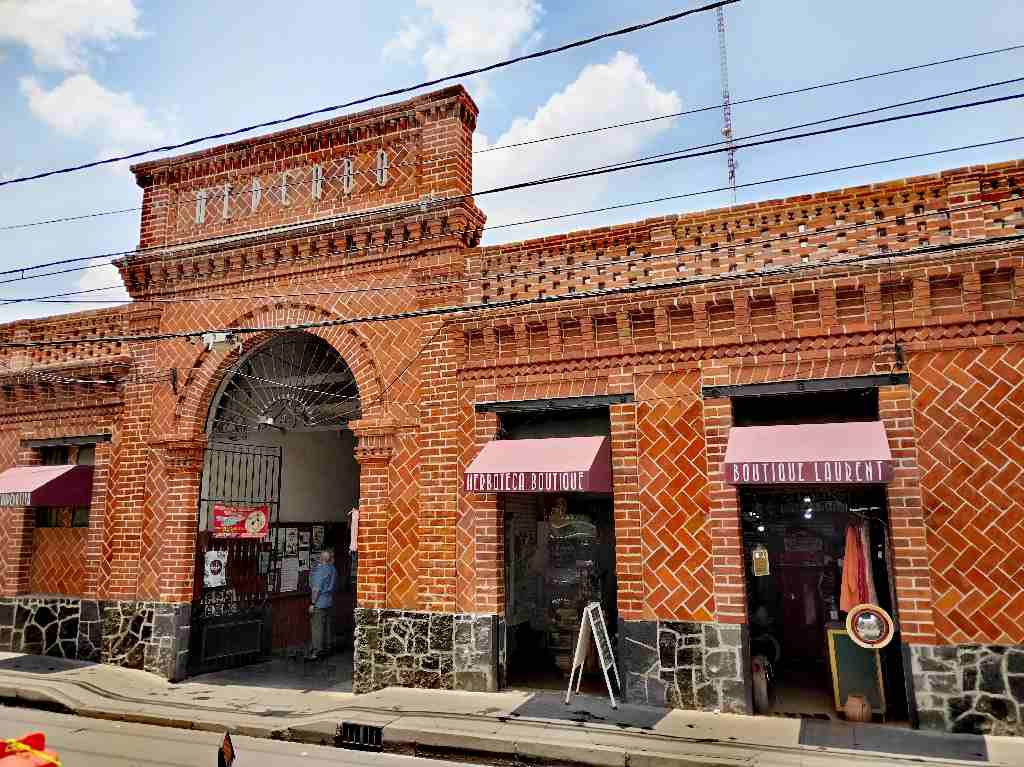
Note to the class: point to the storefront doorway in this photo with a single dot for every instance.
(796, 541)
(280, 467)
(559, 557)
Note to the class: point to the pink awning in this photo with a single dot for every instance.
(811, 453)
(46, 486)
(552, 465)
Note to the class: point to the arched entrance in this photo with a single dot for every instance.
(279, 481)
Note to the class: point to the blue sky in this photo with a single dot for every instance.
(82, 78)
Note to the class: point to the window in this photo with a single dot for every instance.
(348, 175)
(63, 517)
(284, 188)
(317, 187)
(382, 168)
(200, 206)
(55, 455)
(255, 194)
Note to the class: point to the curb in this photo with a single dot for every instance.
(539, 743)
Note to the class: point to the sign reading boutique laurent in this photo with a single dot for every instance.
(804, 472)
(842, 453)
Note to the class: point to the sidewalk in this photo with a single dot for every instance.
(488, 727)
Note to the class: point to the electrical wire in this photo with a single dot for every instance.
(581, 265)
(685, 153)
(384, 94)
(752, 100)
(484, 308)
(630, 123)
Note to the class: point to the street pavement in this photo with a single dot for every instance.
(499, 727)
(84, 742)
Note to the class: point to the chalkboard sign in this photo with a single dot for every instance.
(855, 671)
(592, 625)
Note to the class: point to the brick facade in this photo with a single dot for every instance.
(308, 237)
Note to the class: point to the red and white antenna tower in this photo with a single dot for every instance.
(723, 60)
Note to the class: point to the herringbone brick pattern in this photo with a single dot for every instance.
(969, 419)
(678, 578)
(403, 525)
(153, 528)
(58, 561)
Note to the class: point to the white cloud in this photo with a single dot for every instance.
(59, 32)
(602, 94)
(408, 39)
(102, 274)
(464, 34)
(82, 108)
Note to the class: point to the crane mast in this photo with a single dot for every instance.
(726, 101)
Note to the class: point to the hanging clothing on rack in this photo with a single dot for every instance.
(869, 578)
(858, 584)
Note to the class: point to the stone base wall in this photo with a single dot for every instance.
(429, 650)
(685, 665)
(152, 636)
(969, 688)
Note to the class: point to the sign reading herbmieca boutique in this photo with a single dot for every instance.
(808, 472)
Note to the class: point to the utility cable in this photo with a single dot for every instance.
(630, 123)
(484, 308)
(752, 100)
(597, 170)
(369, 248)
(59, 298)
(384, 94)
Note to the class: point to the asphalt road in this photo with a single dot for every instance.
(82, 742)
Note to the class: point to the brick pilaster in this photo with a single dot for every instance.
(907, 529)
(183, 471)
(723, 508)
(374, 449)
(626, 498)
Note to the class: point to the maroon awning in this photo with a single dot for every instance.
(810, 453)
(552, 465)
(46, 486)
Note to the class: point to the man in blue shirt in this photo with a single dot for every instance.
(322, 582)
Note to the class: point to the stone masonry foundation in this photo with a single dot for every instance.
(428, 650)
(684, 664)
(969, 688)
(152, 636)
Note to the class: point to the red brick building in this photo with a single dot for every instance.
(870, 337)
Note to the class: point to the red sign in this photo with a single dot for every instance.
(808, 472)
(240, 521)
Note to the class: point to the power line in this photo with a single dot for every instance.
(754, 99)
(597, 170)
(384, 94)
(613, 126)
(58, 298)
(521, 302)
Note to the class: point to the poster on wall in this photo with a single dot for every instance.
(303, 559)
(240, 521)
(290, 574)
(291, 546)
(317, 543)
(215, 569)
(264, 562)
(279, 542)
(303, 539)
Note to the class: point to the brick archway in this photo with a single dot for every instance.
(208, 369)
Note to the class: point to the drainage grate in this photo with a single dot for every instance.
(361, 737)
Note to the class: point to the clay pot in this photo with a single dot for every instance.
(858, 709)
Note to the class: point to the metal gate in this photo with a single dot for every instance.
(231, 623)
